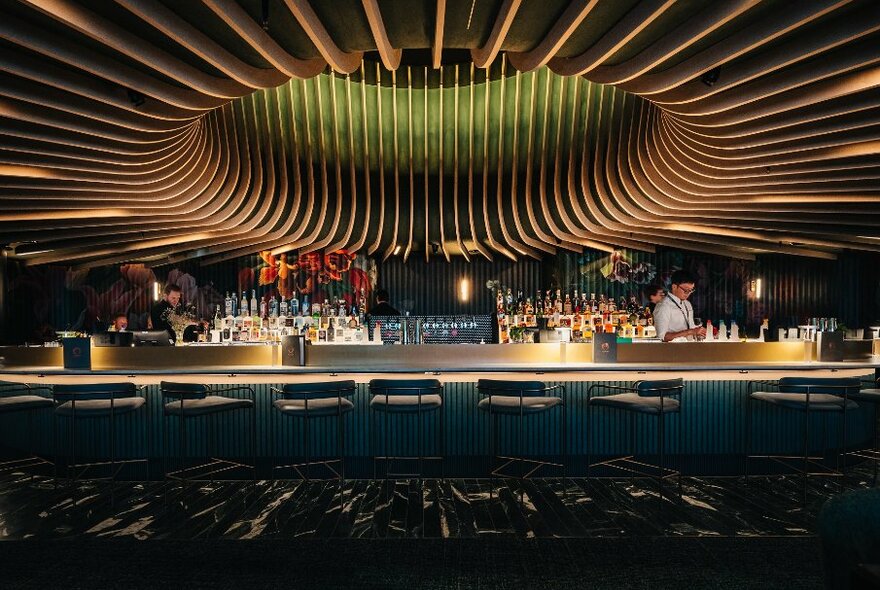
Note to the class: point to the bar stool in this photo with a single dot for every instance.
(405, 397)
(869, 396)
(519, 399)
(21, 397)
(646, 398)
(312, 401)
(92, 401)
(803, 394)
(197, 400)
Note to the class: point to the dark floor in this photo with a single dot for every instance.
(599, 533)
(541, 508)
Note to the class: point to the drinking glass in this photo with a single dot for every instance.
(698, 323)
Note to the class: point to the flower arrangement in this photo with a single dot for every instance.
(180, 317)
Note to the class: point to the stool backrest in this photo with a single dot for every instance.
(91, 391)
(658, 387)
(184, 390)
(319, 390)
(405, 386)
(511, 388)
(826, 385)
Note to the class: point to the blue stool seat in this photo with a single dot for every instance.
(23, 403)
(871, 396)
(819, 402)
(634, 402)
(509, 404)
(316, 408)
(211, 404)
(405, 403)
(94, 408)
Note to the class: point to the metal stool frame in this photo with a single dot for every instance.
(184, 391)
(387, 388)
(62, 394)
(492, 388)
(872, 454)
(806, 459)
(305, 392)
(32, 460)
(628, 463)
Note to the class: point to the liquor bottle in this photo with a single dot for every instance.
(234, 311)
(558, 302)
(341, 312)
(273, 307)
(353, 320)
(283, 307)
(245, 305)
(649, 317)
(594, 305)
(255, 307)
(529, 309)
(218, 321)
(362, 302)
(566, 307)
(509, 307)
(331, 330)
(602, 306)
(264, 308)
(227, 307)
(734, 331)
(499, 302)
(305, 305)
(548, 306)
(539, 306)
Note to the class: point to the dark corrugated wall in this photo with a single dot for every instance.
(426, 288)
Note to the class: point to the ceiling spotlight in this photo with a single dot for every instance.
(264, 15)
(137, 99)
(709, 78)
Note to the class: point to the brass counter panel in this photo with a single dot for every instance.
(429, 356)
(157, 357)
(31, 356)
(698, 352)
(160, 357)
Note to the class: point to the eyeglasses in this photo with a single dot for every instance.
(687, 291)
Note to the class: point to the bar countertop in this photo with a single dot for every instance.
(695, 361)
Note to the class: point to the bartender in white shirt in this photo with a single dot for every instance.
(674, 315)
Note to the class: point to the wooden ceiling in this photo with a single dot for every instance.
(147, 130)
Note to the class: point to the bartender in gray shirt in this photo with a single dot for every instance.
(674, 315)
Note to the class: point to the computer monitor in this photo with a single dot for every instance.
(152, 338)
(113, 338)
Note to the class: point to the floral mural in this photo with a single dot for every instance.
(321, 276)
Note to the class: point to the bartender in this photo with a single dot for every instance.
(120, 323)
(159, 312)
(674, 314)
(383, 308)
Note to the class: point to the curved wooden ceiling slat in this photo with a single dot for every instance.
(225, 139)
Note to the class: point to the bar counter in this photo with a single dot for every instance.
(460, 359)
(716, 379)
